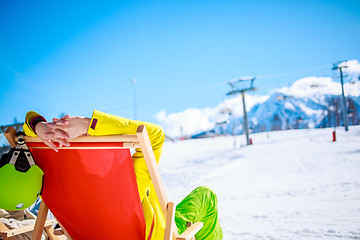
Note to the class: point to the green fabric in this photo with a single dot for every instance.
(19, 190)
(200, 206)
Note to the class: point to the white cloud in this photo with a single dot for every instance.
(311, 86)
(194, 120)
(353, 67)
(188, 122)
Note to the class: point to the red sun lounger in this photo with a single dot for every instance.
(91, 189)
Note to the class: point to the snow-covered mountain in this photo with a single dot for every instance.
(281, 112)
(311, 102)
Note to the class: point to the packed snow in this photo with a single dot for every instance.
(294, 184)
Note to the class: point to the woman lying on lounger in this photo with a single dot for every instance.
(199, 206)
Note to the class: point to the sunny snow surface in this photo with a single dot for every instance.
(294, 184)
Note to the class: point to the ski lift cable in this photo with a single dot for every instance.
(293, 73)
(275, 75)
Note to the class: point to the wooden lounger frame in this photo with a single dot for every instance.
(6, 233)
(140, 140)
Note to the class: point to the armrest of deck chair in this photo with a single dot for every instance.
(6, 233)
(191, 231)
(188, 234)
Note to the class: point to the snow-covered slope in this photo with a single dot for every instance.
(294, 184)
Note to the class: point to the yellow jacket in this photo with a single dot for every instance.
(107, 124)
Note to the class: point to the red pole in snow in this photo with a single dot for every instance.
(250, 141)
(334, 136)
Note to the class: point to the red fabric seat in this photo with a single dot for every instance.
(92, 192)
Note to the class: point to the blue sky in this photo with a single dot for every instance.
(73, 57)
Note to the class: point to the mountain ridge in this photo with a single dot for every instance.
(310, 102)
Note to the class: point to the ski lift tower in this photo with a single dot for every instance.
(344, 108)
(233, 91)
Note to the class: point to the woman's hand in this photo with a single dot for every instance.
(73, 126)
(49, 133)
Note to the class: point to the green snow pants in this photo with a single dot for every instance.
(200, 206)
